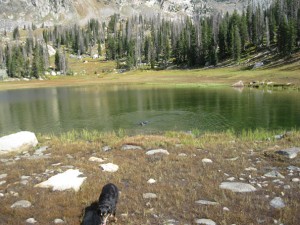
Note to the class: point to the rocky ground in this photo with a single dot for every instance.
(175, 178)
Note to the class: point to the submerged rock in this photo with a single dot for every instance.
(238, 84)
(237, 187)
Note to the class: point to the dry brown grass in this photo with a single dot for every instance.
(180, 180)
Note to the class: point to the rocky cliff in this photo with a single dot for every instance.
(49, 12)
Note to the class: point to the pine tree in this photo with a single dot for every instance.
(16, 34)
(236, 44)
(282, 36)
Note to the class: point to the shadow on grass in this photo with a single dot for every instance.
(91, 216)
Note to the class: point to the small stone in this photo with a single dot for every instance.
(109, 167)
(230, 179)
(294, 168)
(226, 209)
(206, 202)
(274, 174)
(233, 159)
(277, 203)
(237, 187)
(131, 147)
(95, 159)
(295, 179)
(58, 221)
(182, 155)
(149, 195)
(251, 169)
(2, 182)
(1, 195)
(3, 176)
(31, 220)
(106, 148)
(287, 187)
(21, 204)
(170, 222)
(205, 160)
(151, 181)
(157, 151)
(205, 221)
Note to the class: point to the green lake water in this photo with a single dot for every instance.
(108, 108)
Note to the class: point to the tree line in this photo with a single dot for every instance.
(158, 42)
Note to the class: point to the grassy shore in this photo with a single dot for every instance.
(182, 178)
(95, 71)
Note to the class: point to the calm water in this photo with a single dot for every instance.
(56, 110)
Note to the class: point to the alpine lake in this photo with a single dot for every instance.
(147, 109)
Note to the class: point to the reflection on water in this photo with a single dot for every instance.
(55, 110)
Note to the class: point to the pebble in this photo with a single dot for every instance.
(151, 181)
(205, 221)
(237, 187)
(277, 203)
(109, 167)
(206, 202)
(3, 176)
(205, 160)
(157, 151)
(131, 147)
(21, 204)
(31, 220)
(226, 209)
(2, 182)
(58, 221)
(149, 195)
(182, 155)
(95, 159)
(296, 180)
(274, 174)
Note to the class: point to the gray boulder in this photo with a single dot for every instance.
(277, 203)
(21, 204)
(290, 153)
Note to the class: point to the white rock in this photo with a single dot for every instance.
(157, 151)
(277, 203)
(274, 174)
(131, 147)
(230, 179)
(2, 182)
(95, 159)
(206, 202)
(205, 221)
(238, 84)
(251, 169)
(205, 160)
(109, 167)
(4, 175)
(31, 220)
(21, 204)
(151, 181)
(106, 148)
(18, 141)
(182, 155)
(237, 187)
(225, 209)
(149, 195)
(58, 221)
(295, 179)
(67, 180)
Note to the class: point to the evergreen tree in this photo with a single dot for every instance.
(237, 46)
(16, 34)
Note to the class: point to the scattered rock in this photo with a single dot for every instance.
(233, 159)
(258, 65)
(58, 221)
(205, 160)
(274, 174)
(95, 159)
(41, 150)
(2, 182)
(230, 179)
(294, 168)
(237, 187)
(131, 147)
(151, 181)
(109, 167)
(149, 196)
(106, 148)
(157, 151)
(238, 84)
(18, 141)
(296, 180)
(290, 153)
(206, 202)
(69, 179)
(2, 176)
(205, 221)
(182, 155)
(251, 169)
(31, 220)
(21, 204)
(277, 203)
(226, 209)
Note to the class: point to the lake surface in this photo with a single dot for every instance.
(108, 108)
